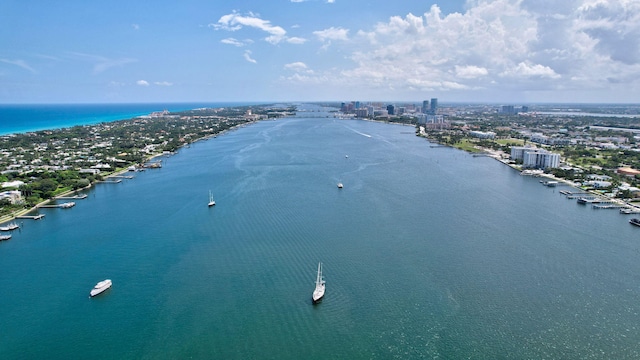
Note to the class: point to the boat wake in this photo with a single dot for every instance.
(358, 132)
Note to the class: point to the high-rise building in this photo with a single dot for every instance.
(425, 106)
(434, 106)
(391, 110)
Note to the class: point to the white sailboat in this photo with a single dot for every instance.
(211, 201)
(318, 293)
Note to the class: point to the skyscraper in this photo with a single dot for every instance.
(434, 105)
(425, 106)
(391, 109)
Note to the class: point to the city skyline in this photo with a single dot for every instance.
(497, 51)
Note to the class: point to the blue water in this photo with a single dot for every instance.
(428, 252)
(19, 118)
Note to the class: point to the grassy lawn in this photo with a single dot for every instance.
(467, 145)
(517, 142)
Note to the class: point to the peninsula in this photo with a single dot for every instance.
(36, 167)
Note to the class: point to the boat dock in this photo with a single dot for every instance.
(62, 206)
(32, 217)
(122, 176)
(607, 206)
(75, 197)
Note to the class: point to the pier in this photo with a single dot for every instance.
(62, 206)
(122, 176)
(32, 217)
(75, 197)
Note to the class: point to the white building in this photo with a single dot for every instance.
(483, 134)
(535, 158)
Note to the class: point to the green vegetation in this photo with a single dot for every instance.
(53, 162)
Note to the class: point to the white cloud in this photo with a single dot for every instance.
(527, 70)
(298, 67)
(296, 40)
(494, 45)
(235, 42)
(163, 83)
(235, 22)
(332, 33)
(142, 83)
(470, 71)
(247, 56)
(19, 63)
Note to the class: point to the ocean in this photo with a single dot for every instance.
(428, 252)
(20, 118)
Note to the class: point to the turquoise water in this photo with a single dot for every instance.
(19, 118)
(428, 252)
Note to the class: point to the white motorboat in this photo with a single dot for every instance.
(100, 287)
(9, 227)
(318, 292)
(211, 201)
(340, 185)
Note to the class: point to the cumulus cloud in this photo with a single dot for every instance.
(235, 22)
(142, 83)
(494, 44)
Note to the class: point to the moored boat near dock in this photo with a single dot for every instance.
(5, 237)
(10, 226)
(635, 221)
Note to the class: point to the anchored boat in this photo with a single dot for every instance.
(100, 287)
(318, 293)
(211, 201)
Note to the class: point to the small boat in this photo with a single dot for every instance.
(339, 185)
(211, 201)
(9, 227)
(67, 205)
(100, 287)
(5, 237)
(318, 292)
(635, 221)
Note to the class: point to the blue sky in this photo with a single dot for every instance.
(502, 51)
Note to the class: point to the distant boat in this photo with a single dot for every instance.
(339, 185)
(211, 201)
(67, 205)
(100, 287)
(318, 292)
(9, 227)
(5, 237)
(635, 221)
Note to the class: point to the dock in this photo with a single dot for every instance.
(32, 217)
(122, 176)
(75, 197)
(62, 206)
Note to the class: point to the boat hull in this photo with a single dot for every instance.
(100, 287)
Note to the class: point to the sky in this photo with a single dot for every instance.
(496, 51)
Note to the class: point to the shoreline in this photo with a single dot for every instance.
(497, 156)
(13, 216)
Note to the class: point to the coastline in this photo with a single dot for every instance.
(496, 155)
(14, 216)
